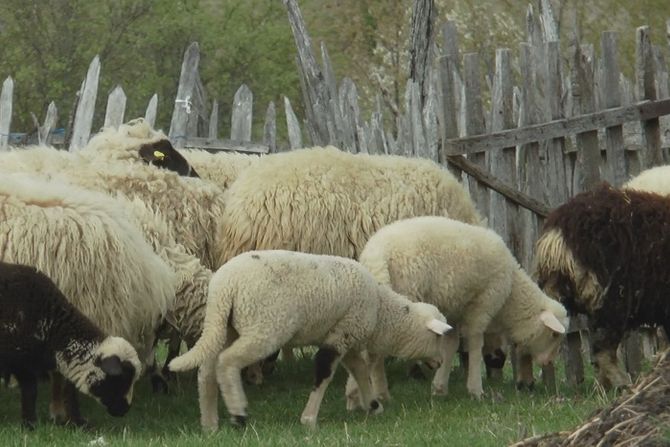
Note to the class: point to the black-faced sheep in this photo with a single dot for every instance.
(280, 298)
(40, 332)
(468, 273)
(605, 253)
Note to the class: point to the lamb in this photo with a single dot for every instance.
(470, 275)
(40, 332)
(605, 253)
(275, 298)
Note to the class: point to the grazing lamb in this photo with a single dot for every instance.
(470, 275)
(275, 298)
(40, 332)
(605, 253)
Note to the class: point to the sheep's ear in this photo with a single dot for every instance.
(111, 365)
(439, 327)
(552, 322)
(162, 154)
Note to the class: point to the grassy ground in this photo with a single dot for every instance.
(412, 418)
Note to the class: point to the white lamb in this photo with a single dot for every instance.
(276, 298)
(471, 276)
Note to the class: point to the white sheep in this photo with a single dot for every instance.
(276, 298)
(652, 180)
(92, 250)
(190, 206)
(471, 276)
(221, 168)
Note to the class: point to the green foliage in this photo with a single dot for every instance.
(413, 417)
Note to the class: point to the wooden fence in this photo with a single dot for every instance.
(194, 122)
(548, 130)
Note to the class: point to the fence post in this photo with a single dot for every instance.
(44, 131)
(152, 108)
(240, 126)
(270, 128)
(645, 80)
(85, 107)
(616, 157)
(294, 133)
(213, 131)
(448, 111)
(116, 108)
(6, 112)
(183, 102)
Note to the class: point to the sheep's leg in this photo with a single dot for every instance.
(380, 386)
(325, 360)
(174, 347)
(158, 382)
(450, 343)
(243, 352)
(524, 377)
(72, 405)
(208, 396)
(358, 368)
(28, 386)
(351, 394)
(57, 405)
(474, 383)
(605, 343)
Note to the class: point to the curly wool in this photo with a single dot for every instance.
(652, 180)
(87, 243)
(326, 201)
(222, 168)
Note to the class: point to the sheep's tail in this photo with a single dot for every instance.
(215, 327)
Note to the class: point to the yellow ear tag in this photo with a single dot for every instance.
(159, 155)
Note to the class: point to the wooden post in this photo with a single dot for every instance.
(474, 125)
(83, 118)
(294, 133)
(116, 108)
(240, 127)
(183, 102)
(270, 128)
(213, 132)
(6, 112)
(152, 109)
(588, 152)
(421, 46)
(449, 112)
(645, 80)
(616, 157)
(44, 132)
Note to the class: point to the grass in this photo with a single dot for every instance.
(413, 417)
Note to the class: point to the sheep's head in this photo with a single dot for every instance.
(163, 155)
(425, 337)
(112, 375)
(546, 333)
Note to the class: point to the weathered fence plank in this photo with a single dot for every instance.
(83, 118)
(240, 127)
(183, 102)
(213, 131)
(6, 111)
(421, 46)
(152, 110)
(294, 133)
(44, 131)
(645, 80)
(116, 107)
(270, 128)
(616, 157)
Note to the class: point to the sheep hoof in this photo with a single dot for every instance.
(308, 421)
(439, 390)
(159, 385)
(521, 386)
(376, 407)
(238, 420)
(476, 394)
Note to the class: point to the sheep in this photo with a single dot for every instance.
(273, 298)
(470, 275)
(40, 332)
(604, 253)
(221, 168)
(87, 244)
(652, 180)
(189, 205)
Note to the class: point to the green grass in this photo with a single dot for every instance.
(413, 417)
